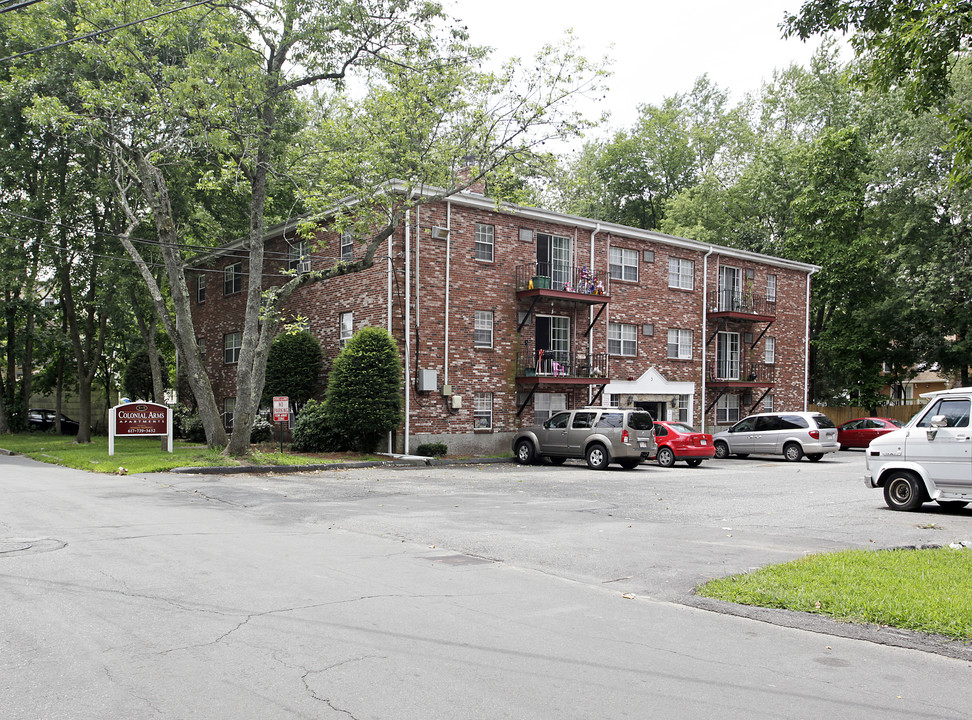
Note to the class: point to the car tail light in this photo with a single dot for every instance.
(815, 434)
(624, 436)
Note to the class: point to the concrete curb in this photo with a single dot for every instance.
(404, 461)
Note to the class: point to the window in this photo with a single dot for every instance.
(484, 242)
(680, 344)
(770, 355)
(554, 259)
(347, 247)
(229, 409)
(483, 411)
(622, 339)
(232, 278)
(483, 335)
(955, 410)
(727, 356)
(347, 328)
(297, 260)
(615, 401)
(730, 288)
(201, 344)
(769, 404)
(624, 264)
(201, 288)
(683, 408)
(727, 409)
(546, 404)
(771, 288)
(231, 347)
(681, 274)
(611, 420)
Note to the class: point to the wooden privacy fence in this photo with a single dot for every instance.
(842, 414)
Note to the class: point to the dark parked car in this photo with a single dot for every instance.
(41, 420)
(858, 433)
(678, 441)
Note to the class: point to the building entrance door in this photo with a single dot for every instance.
(657, 409)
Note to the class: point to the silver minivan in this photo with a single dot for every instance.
(792, 435)
(600, 435)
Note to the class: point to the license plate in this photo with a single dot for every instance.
(702, 442)
(643, 443)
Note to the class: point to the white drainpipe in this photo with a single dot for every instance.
(806, 347)
(590, 337)
(445, 371)
(391, 269)
(705, 325)
(408, 326)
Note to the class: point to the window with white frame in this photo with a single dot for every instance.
(622, 339)
(770, 355)
(624, 264)
(483, 411)
(232, 342)
(769, 404)
(615, 401)
(297, 260)
(683, 408)
(680, 344)
(546, 404)
(681, 274)
(347, 246)
(232, 278)
(347, 328)
(727, 409)
(483, 334)
(229, 410)
(201, 288)
(484, 242)
(771, 288)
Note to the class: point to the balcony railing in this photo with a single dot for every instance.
(563, 278)
(746, 302)
(745, 372)
(550, 363)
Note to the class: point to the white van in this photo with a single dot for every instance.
(930, 458)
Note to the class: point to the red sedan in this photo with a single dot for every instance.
(678, 441)
(858, 433)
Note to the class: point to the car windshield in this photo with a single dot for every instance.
(640, 421)
(896, 423)
(682, 427)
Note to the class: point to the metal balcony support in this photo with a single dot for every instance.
(768, 325)
(594, 321)
(536, 299)
(713, 403)
(719, 328)
(753, 407)
(526, 400)
(597, 395)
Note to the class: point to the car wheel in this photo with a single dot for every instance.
(722, 450)
(952, 504)
(557, 459)
(694, 462)
(597, 457)
(902, 491)
(525, 453)
(792, 452)
(813, 457)
(630, 463)
(665, 457)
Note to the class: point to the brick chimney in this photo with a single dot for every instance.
(467, 171)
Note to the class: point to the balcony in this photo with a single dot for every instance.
(549, 367)
(746, 374)
(744, 305)
(567, 282)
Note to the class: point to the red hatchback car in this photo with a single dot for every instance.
(858, 433)
(678, 441)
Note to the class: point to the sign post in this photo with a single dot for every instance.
(281, 413)
(140, 419)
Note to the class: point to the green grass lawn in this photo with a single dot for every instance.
(925, 590)
(141, 455)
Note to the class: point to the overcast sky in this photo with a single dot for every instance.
(660, 46)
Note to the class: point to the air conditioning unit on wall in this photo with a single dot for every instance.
(440, 233)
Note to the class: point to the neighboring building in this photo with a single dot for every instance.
(910, 391)
(514, 313)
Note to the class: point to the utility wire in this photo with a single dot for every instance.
(19, 6)
(97, 33)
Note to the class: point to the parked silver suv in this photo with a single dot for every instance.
(792, 435)
(600, 435)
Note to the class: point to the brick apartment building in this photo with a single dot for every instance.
(514, 313)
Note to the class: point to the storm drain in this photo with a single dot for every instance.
(462, 560)
(10, 547)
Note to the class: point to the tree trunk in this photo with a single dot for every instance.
(148, 333)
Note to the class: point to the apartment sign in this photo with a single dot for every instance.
(140, 419)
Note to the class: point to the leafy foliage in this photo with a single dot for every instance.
(313, 433)
(432, 449)
(293, 367)
(364, 396)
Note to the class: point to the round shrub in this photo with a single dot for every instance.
(312, 432)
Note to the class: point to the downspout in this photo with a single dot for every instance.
(445, 370)
(590, 315)
(806, 348)
(705, 325)
(391, 269)
(408, 325)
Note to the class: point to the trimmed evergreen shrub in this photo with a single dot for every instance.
(432, 449)
(364, 394)
(312, 432)
(293, 367)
